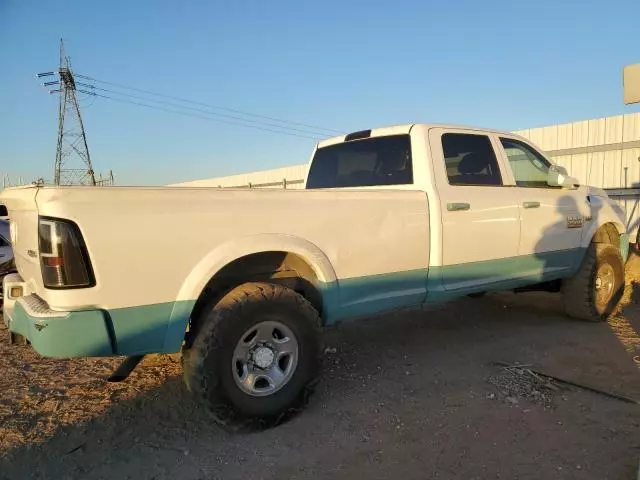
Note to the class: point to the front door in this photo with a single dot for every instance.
(480, 215)
(552, 217)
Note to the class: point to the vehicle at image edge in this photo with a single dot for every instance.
(7, 264)
(390, 218)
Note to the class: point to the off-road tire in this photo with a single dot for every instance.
(579, 292)
(207, 362)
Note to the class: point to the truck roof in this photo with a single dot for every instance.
(397, 130)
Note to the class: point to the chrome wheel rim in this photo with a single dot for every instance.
(605, 283)
(265, 358)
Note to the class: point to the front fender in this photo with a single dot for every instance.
(602, 212)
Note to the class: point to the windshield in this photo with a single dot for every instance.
(363, 163)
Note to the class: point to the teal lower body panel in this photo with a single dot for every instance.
(358, 297)
(454, 281)
(156, 328)
(160, 328)
(547, 266)
(77, 334)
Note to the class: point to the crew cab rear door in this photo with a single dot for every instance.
(480, 215)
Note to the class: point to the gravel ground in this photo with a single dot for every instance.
(412, 395)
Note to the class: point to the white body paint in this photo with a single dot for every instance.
(156, 245)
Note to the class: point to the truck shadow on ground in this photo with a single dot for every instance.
(413, 384)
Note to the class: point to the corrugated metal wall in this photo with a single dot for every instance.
(631, 204)
(603, 152)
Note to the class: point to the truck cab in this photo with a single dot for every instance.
(500, 212)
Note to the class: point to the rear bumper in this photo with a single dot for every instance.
(52, 333)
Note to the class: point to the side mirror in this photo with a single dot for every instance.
(3, 211)
(559, 177)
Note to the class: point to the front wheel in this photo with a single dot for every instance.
(596, 289)
(255, 357)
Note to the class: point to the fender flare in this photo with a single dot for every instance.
(591, 232)
(604, 214)
(230, 251)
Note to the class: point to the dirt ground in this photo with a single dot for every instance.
(411, 396)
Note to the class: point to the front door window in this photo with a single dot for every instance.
(530, 169)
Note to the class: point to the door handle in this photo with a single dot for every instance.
(455, 207)
(531, 204)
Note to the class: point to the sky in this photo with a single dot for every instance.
(340, 65)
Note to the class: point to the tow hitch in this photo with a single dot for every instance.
(125, 368)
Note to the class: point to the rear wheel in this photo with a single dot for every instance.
(595, 291)
(255, 358)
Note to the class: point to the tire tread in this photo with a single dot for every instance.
(205, 384)
(577, 291)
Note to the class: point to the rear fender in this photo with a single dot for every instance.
(226, 253)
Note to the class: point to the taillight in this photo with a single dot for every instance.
(63, 255)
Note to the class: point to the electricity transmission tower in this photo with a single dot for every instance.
(73, 163)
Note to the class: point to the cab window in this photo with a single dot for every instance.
(470, 160)
(363, 163)
(530, 169)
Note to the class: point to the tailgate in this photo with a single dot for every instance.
(23, 218)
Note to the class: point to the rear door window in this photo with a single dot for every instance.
(470, 160)
(363, 163)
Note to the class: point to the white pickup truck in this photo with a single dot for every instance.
(240, 280)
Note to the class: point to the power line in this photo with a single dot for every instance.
(204, 117)
(73, 162)
(205, 111)
(217, 107)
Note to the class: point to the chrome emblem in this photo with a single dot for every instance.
(575, 221)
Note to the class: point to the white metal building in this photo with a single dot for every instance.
(287, 177)
(603, 152)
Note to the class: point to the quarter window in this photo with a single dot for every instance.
(470, 160)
